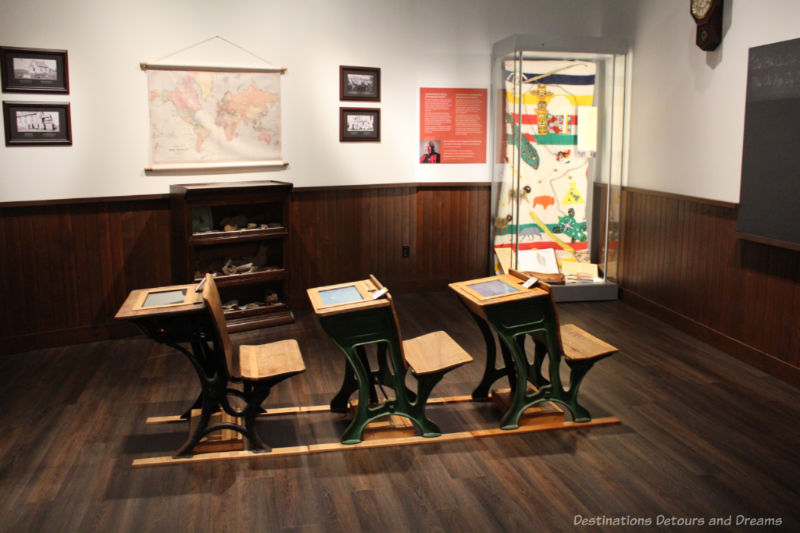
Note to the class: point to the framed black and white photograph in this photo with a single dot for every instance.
(359, 124)
(360, 83)
(34, 70)
(37, 123)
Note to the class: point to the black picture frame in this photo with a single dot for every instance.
(359, 124)
(34, 70)
(37, 123)
(359, 84)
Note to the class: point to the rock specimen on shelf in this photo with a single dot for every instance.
(233, 223)
(272, 298)
(230, 267)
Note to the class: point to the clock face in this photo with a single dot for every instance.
(700, 8)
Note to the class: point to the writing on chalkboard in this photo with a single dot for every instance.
(773, 71)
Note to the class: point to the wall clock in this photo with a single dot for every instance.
(707, 15)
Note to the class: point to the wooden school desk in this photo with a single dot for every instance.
(514, 311)
(172, 316)
(354, 319)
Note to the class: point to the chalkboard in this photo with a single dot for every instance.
(769, 199)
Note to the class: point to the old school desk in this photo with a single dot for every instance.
(174, 315)
(515, 311)
(354, 319)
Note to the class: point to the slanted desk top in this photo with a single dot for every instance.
(345, 298)
(478, 293)
(158, 301)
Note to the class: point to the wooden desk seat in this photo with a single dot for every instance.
(578, 345)
(260, 367)
(265, 361)
(430, 357)
(581, 351)
(434, 352)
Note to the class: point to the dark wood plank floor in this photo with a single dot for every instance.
(702, 436)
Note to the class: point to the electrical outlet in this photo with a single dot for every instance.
(406, 251)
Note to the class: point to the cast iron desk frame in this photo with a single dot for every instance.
(353, 327)
(189, 322)
(513, 316)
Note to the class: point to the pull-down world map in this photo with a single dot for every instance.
(199, 117)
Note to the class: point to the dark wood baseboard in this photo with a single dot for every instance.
(747, 354)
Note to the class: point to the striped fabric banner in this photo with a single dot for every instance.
(533, 99)
(542, 201)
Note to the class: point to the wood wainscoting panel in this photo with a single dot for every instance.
(346, 233)
(681, 260)
(67, 267)
(452, 235)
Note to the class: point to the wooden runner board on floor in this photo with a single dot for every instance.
(393, 431)
(378, 443)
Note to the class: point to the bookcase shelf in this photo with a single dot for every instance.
(240, 233)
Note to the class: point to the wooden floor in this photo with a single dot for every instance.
(702, 436)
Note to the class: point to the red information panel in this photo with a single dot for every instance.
(452, 125)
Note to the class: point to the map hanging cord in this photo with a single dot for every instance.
(144, 65)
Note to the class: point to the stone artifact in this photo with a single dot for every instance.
(272, 297)
(233, 223)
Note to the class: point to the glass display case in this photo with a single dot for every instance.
(559, 120)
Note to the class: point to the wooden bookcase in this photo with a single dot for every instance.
(249, 259)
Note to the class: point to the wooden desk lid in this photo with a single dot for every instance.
(132, 306)
(365, 288)
(462, 289)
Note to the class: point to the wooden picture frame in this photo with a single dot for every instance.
(37, 123)
(34, 70)
(359, 84)
(359, 124)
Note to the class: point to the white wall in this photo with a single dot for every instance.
(687, 112)
(416, 43)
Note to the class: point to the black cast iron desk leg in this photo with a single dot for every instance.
(215, 397)
(198, 403)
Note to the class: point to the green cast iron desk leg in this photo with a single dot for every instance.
(513, 321)
(380, 377)
(406, 403)
(520, 399)
(553, 391)
(352, 332)
(490, 373)
(339, 403)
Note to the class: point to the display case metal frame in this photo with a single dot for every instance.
(606, 172)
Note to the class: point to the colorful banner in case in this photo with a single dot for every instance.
(546, 176)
